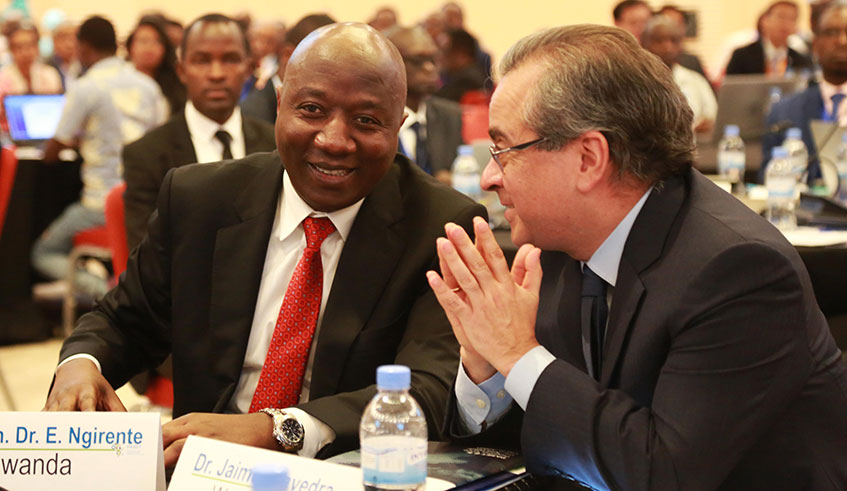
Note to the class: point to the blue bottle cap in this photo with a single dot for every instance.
(270, 476)
(465, 150)
(794, 133)
(780, 153)
(730, 130)
(393, 377)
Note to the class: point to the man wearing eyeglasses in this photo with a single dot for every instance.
(819, 101)
(432, 130)
(674, 341)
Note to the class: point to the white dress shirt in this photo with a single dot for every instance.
(489, 401)
(207, 148)
(285, 247)
(408, 136)
(697, 92)
(827, 91)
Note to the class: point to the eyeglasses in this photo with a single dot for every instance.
(495, 152)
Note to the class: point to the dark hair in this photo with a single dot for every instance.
(598, 78)
(98, 33)
(462, 41)
(16, 26)
(215, 19)
(165, 74)
(622, 7)
(305, 26)
(781, 3)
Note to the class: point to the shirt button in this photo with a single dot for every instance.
(501, 394)
(480, 403)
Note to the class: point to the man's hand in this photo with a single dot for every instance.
(492, 310)
(255, 429)
(79, 386)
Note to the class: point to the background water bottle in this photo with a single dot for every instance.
(731, 157)
(774, 97)
(798, 155)
(393, 434)
(270, 477)
(781, 183)
(841, 165)
(467, 173)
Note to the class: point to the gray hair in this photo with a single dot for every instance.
(598, 78)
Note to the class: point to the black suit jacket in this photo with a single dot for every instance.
(191, 286)
(443, 132)
(261, 103)
(750, 59)
(148, 159)
(719, 371)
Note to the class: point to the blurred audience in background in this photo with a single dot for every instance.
(27, 74)
(632, 16)
(64, 57)
(383, 19)
(770, 54)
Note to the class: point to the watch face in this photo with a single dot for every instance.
(292, 431)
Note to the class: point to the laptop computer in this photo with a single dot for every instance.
(744, 100)
(33, 118)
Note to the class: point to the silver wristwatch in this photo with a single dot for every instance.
(289, 433)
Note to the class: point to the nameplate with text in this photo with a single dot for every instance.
(213, 465)
(73, 451)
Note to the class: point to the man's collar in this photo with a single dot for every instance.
(414, 116)
(293, 210)
(607, 257)
(205, 128)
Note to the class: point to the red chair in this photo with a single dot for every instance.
(116, 228)
(474, 124)
(8, 169)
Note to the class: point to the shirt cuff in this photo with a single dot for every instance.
(525, 373)
(81, 355)
(317, 433)
(483, 403)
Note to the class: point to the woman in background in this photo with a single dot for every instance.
(150, 50)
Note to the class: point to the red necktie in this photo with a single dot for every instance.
(285, 363)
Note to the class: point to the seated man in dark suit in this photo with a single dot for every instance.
(461, 73)
(335, 222)
(432, 131)
(674, 341)
(213, 65)
(770, 54)
(824, 100)
(260, 103)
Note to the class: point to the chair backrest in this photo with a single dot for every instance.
(474, 124)
(8, 169)
(116, 228)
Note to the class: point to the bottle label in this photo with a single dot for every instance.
(731, 165)
(394, 461)
(467, 184)
(781, 188)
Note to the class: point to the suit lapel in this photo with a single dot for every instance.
(557, 324)
(237, 273)
(179, 150)
(644, 246)
(367, 262)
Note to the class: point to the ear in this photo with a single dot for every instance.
(595, 167)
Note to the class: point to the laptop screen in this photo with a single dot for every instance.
(33, 117)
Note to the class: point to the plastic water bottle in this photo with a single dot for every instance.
(781, 184)
(393, 434)
(467, 173)
(798, 155)
(270, 477)
(731, 157)
(841, 165)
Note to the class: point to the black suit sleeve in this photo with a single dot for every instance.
(141, 174)
(736, 350)
(427, 346)
(736, 63)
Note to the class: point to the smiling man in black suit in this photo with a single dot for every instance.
(335, 221)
